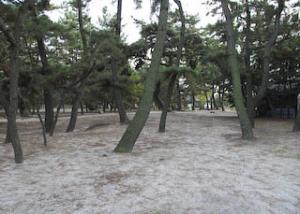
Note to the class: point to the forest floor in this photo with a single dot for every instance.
(199, 165)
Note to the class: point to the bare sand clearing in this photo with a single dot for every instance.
(199, 165)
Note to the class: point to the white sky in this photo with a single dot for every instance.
(130, 12)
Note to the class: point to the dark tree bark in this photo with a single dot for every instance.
(81, 82)
(43, 126)
(116, 91)
(166, 106)
(81, 108)
(48, 98)
(117, 96)
(61, 104)
(24, 112)
(222, 96)
(104, 106)
(74, 112)
(76, 98)
(245, 123)
(297, 120)
(119, 18)
(81, 26)
(253, 101)
(172, 81)
(135, 127)
(178, 96)
(193, 101)
(13, 105)
(13, 37)
(157, 100)
(5, 103)
(249, 85)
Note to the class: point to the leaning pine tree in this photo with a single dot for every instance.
(13, 36)
(246, 125)
(137, 124)
(172, 81)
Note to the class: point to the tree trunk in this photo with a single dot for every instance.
(22, 108)
(104, 106)
(81, 108)
(253, 101)
(297, 120)
(61, 104)
(49, 113)
(116, 91)
(83, 79)
(249, 85)
(166, 105)
(156, 98)
(245, 123)
(74, 113)
(43, 127)
(119, 18)
(134, 129)
(117, 96)
(221, 92)
(178, 96)
(48, 98)
(13, 37)
(13, 105)
(171, 84)
(193, 101)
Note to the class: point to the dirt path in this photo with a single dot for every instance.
(198, 166)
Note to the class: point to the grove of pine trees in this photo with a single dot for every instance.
(252, 50)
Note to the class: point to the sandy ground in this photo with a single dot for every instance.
(199, 165)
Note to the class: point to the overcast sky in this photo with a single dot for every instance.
(130, 13)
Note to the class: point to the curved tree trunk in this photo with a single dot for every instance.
(74, 113)
(253, 101)
(167, 101)
(245, 123)
(61, 103)
(135, 127)
(13, 37)
(82, 80)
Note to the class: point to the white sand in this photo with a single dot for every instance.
(198, 166)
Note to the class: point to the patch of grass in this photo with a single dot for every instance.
(298, 156)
